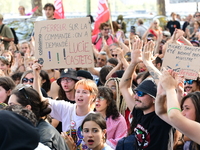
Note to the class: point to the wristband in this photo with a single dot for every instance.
(173, 108)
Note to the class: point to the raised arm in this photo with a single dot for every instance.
(176, 118)
(147, 55)
(37, 79)
(126, 81)
(160, 104)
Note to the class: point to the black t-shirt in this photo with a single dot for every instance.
(155, 129)
(171, 25)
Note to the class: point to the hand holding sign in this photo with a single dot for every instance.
(64, 43)
(168, 79)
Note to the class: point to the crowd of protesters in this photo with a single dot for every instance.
(124, 102)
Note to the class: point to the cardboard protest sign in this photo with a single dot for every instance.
(183, 59)
(64, 43)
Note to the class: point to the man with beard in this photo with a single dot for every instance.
(191, 85)
(150, 131)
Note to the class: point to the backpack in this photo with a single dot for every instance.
(127, 143)
(16, 40)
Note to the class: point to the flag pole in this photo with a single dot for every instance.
(110, 18)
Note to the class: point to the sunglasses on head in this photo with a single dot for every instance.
(188, 82)
(25, 80)
(140, 93)
(25, 94)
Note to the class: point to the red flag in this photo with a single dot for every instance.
(59, 12)
(103, 15)
(32, 11)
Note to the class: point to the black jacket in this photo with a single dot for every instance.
(50, 137)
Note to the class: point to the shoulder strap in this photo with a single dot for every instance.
(1, 28)
(97, 39)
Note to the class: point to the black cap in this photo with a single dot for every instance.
(148, 86)
(85, 74)
(70, 73)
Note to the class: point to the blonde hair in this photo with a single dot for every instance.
(120, 102)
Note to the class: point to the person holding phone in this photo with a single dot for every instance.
(104, 34)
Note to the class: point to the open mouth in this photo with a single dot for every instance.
(80, 100)
(90, 142)
(98, 105)
(138, 101)
(188, 88)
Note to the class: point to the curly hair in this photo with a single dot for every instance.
(111, 109)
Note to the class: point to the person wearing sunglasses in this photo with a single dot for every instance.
(191, 85)
(27, 78)
(115, 122)
(150, 132)
(105, 32)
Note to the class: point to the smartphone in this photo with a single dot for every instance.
(133, 29)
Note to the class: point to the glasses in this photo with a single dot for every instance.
(188, 82)
(3, 58)
(25, 94)
(68, 80)
(100, 98)
(106, 29)
(114, 55)
(100, 59)
(25, 80)
(140, 93)
(197, 16)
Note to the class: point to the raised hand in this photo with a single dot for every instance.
(168, 79)
(136, 53)
(69, 140)
(147, 54)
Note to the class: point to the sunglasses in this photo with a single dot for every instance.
(25, 80)
(140, 93)
(100, 98)
(25, 94)
(188, 82)
(197, 16)
(114, 55)
(106, 29)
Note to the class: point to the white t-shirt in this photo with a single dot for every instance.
(42, 147)
(66, 113)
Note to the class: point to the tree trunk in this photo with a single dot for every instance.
(161, 7)
(38, 3)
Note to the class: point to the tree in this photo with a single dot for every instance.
(39, 4)
(161, 7)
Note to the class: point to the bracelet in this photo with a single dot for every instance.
(173, 108)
